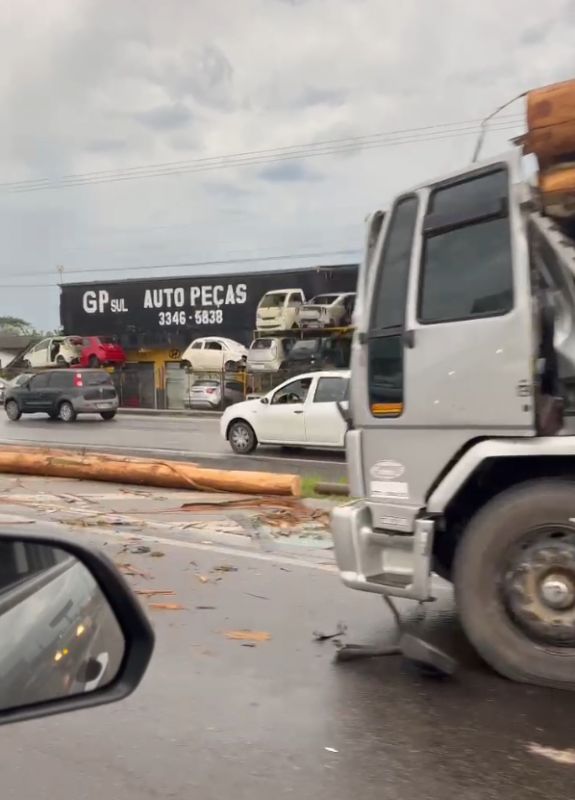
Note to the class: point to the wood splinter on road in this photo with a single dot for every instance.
(144, 472)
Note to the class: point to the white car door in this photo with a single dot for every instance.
(323, 422)
(213, 355)
(38, 356)
(293, 304)
(196, 354)
(282, 420)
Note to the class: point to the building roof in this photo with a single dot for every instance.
(16, 342)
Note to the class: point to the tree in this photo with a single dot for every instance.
(16, 325)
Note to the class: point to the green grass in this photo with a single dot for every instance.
(308, 484)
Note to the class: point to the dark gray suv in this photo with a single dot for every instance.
(63, 394)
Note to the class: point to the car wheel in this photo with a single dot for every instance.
(108, 415)
(242, 437)
(61, 361)
(93, 362)
(26, 364)
(514, 577)
(12, 410)
(67, 412)
(230, 366)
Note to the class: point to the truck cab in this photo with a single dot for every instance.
(459, 446)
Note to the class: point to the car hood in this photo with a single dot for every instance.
(237, 409)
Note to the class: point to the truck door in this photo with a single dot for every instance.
(446, 350)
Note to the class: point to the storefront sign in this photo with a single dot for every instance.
(172, 312)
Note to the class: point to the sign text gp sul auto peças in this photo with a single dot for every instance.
(206, 296)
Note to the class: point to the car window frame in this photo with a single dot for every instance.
(489, 213)
(321, 378)
(30, 383)
(290, 383)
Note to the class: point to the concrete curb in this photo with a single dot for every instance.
(176, 413)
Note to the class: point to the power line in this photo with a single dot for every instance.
(261, 157)
(181, 265)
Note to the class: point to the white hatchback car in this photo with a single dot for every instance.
(301, 412)
(214, 353)
(279, 310)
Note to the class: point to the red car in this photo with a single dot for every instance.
(98, 351)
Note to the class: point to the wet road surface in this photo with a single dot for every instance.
(190, 438)
(214, 718)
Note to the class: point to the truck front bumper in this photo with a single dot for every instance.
(379, 561)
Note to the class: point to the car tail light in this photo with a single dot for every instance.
(78, 380)
(210, 391)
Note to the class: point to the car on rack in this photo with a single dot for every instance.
(318, 352)
(55, 351)
(63, 394)
(206, 393)
(214, 354)
(332, 310)
(267, 353)
(301, 412)
(101, 351)
(279, 310)
(3, 386)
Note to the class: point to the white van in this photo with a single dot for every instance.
(279, 310)
(268, 353)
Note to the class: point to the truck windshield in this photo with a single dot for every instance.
(273, 300)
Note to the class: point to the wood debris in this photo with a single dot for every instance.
(248, 636)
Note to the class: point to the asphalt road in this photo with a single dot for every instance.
(191, 438)
(216, 719)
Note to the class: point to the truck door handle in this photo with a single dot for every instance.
(298, 412)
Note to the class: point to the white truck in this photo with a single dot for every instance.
(461, 440)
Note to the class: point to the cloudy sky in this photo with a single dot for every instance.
(103, 86)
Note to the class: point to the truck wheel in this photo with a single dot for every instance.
(94, 362)
(242, 438)
(514, 578)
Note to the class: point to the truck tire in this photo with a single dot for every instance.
(514, 578)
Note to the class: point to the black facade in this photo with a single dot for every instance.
(170, 312)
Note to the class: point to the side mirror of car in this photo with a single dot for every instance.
(72, 633)
(264, 400)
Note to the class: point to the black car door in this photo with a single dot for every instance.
(36, 395)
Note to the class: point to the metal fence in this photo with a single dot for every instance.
(215, 391)
(137, 385)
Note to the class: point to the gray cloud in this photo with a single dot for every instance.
(166, 117)
(289, 172)
(98, 85)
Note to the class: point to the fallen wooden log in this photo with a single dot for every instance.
(144, 472)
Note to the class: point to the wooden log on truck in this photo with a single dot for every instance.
(144, 472)
(551, 123)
